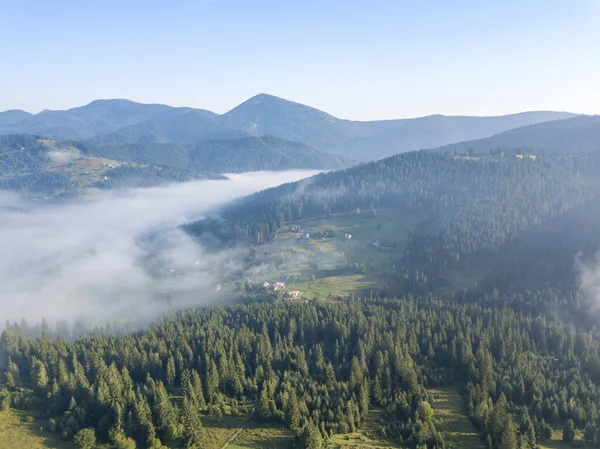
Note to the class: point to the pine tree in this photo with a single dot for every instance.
(193, 431)
(292, 414)
(170, 373)
(568, 434)
(508, 437)
(377, 393)
(262, 409)
(39, 374)
(310, 438)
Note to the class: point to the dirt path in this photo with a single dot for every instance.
(233, 437)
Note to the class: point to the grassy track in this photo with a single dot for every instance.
(452, 421)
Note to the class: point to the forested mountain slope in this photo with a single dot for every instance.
(574, 135)
(36, 165)
(40, 167)
(472, 203)
(225, 155)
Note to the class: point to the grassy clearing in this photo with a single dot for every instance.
(263, 437)
(314, 267)
(557, 443)
(333, 286)
(452, 421)
(17, 433)
(365, 438)
(219, 432)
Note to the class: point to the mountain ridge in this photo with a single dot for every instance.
(575, 134)
(121, 121)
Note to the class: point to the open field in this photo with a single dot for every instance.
(451, 419)
(17, 433)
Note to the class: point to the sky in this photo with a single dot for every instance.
(359, 60)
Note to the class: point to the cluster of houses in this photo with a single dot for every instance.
(293, 294)
(530, 156)
(274, 286)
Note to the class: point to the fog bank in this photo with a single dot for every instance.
(117, 256)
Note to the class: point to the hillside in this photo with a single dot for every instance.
(118, 122)
(224, 155)
(433, 213)
(577, 134)
(45, 168)
(41, 166)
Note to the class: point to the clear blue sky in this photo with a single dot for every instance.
(354, 59)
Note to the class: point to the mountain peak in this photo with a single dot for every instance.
(112, 102)
(267, 103)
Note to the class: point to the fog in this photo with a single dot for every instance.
(589, 279)
(119, 255)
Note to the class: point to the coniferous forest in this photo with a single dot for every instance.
(522, 347)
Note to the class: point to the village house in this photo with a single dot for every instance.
(294, 294)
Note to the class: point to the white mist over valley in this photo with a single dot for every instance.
(114, 256)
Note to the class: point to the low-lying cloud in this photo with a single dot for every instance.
(589, 279)
(60, 156)
(117, 256)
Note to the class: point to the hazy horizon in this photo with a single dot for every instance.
(354, 60)
(288, 99)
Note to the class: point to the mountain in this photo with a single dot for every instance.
(577, 134)
(191, 126)
(117, 122)
(225, 155)
(12, 117)
(390, 137)
(267, 114)
(97, 118)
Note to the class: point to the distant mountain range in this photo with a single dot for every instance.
(120, 122)
(577, 134)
